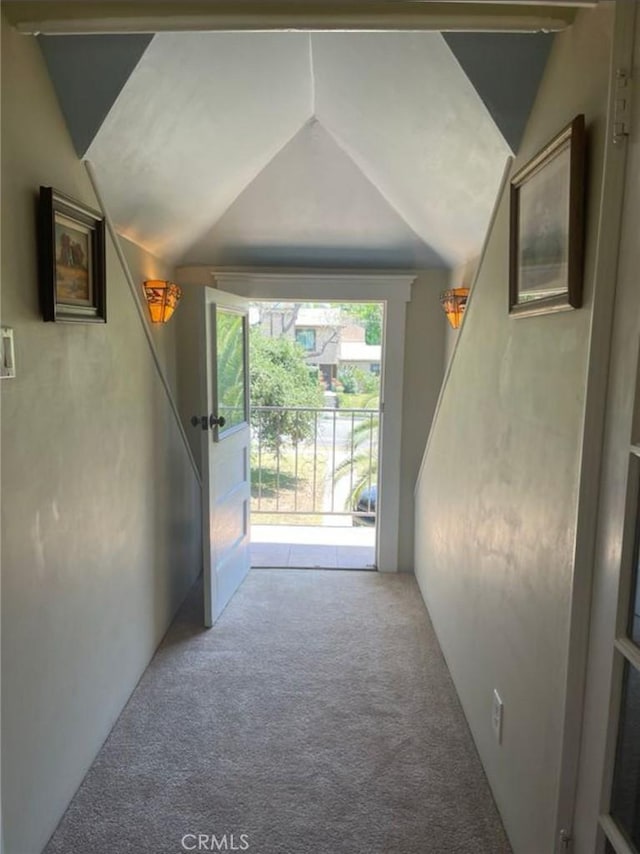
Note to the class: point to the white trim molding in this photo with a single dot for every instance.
(590, 709)
(394, 289)
(304, 284)
(448, 367)
(61, 17)
(141, 311)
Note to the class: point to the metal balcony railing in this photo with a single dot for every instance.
(314, 462)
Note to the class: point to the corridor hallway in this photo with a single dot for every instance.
(317, 716)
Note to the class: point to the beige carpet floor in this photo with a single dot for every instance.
(316, 717)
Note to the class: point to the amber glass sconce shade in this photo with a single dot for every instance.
(162, 299)
(454, 303)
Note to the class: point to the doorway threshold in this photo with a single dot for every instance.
(312, 547)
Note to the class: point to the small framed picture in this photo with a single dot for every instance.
(547, 227)
(72, 260)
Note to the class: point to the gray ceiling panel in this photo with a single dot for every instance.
(506, 69)
(88, 73)
(327, 257)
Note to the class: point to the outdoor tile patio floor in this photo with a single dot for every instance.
(321, 546)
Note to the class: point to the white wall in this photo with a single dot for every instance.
(497, 498)
(100, 511)
(423, 371)
(188, 323)
(144, 266)
(461, 277)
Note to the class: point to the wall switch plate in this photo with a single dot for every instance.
(7, 354)
(497, 709)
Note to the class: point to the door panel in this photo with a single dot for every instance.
(225, 444)
(232, 472)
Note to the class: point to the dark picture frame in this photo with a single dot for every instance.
(72, 268)
(546, 246)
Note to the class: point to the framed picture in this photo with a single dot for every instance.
(547, 227)
(72, 260)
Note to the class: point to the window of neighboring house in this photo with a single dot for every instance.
(375, 368)
(307, 339)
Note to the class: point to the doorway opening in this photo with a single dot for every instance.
(315, 397)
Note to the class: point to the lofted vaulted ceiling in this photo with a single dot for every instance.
(312, 188)
(326, 149)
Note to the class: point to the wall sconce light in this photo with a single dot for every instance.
(454, 303)
(162, 299)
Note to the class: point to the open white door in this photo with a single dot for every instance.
(225, 447)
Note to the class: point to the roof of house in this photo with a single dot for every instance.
(356, 351)
(319, 317)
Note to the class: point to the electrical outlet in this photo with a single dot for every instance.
(497, 709)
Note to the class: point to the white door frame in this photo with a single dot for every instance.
(571, 819)
(615, 526)
(394, 289)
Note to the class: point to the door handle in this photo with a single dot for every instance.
(208, 422)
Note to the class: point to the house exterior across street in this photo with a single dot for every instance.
(330, 340)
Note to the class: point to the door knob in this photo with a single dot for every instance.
(210, 422)
(200, 421)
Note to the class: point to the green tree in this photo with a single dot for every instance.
(367, 314)
(230, 361)
(281, 377)
(357, 381)
(362, 466)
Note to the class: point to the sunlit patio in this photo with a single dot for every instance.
(313, 500)
(317, 546)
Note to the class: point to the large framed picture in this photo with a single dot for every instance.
(547, 227)
(72, 260)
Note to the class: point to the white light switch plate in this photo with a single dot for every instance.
(7, 354)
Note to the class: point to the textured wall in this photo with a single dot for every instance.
(143, 266)
(100, 512)
(497, 498)
(424, 353)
